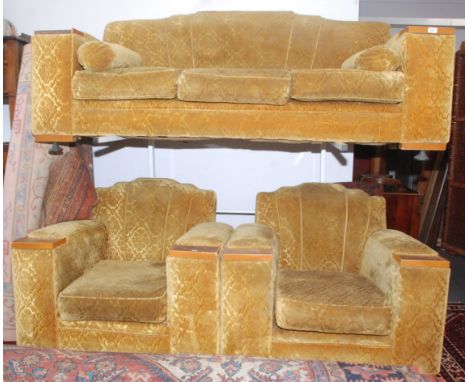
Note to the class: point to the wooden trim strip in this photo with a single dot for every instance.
(422, 261)
(430, 30)
(239, 256)
(55, 138)
(423, 146)
(194, 255)
(31, 243)
(195, 248)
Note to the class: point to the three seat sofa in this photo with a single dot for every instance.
(275, 76)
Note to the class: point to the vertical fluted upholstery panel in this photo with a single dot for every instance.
(146, 216)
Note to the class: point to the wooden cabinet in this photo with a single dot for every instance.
(12, 53)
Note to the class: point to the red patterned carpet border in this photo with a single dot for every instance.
(29, 364)
(453, 354)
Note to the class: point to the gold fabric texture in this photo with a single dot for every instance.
(132, 83)
(99, 56)
(206, 235)
(116, 290)
(347, 85)
(331, 302)
(254, 41)
(128, 215)
(234, 86)
(247, 291)
(145, 217)
(377, 58)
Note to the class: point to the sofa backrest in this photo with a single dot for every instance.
(145, 217)
(271, 40)
(321, 226)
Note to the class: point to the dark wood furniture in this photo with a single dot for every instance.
(453, 237)
(12, 54)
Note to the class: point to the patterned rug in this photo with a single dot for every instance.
(27, 364)
(453, 354)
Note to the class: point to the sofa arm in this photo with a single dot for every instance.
(248, 269)
(54, 61)
(44, 263)
(428, 64)
(415, 280)
(193, 289)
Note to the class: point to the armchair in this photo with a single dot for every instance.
(101, 284)
(345, 287)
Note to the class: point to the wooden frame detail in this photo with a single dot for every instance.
(31, 243)
(55, 138)
(194, 252)
(430, 30)
(247, 256)
(421, 261)
(424, 146)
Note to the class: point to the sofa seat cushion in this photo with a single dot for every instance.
(347, 85)
(331, 302)
(124, 84)
(262, 86)
(117, 290)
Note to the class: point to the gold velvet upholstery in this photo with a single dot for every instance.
(131, 83)
(347, 85)
(378, 58)
(101, 284)
(98, 56)
(349, 289)
(252, 41)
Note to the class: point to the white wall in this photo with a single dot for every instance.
(236, 171)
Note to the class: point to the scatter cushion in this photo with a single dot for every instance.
(100, 56)
(331, 302)
(377, 58)
(117, 290)
(70, 193)
(130, 83)
(260, 86)
(347, 85)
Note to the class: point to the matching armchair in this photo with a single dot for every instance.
(318, 276)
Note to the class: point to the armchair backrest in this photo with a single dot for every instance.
(145, 217)
(257, 40)
(321, 226)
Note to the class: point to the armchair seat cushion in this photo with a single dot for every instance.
(126, 84)
(347, 85)
(331, 302)
(261, 86)
(117, 290)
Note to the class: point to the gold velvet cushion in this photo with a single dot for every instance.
(331, 302)
(130, 83)
(98, 56)
(260, 86)
(376, 58)
(117, 290)
(347, 85)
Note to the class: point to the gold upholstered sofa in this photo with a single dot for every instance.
(275, 76)
(320, 277)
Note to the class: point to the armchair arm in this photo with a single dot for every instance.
(44, 263)
(428, 63)
(415, 280)
(193, 289)
(54, 61)
(248, 268)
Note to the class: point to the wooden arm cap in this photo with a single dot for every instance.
(421, 261)
(430, 30)
(30, 243)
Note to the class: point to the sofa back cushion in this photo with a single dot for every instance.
(321, 227)
(262, 40)
(145, 217)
